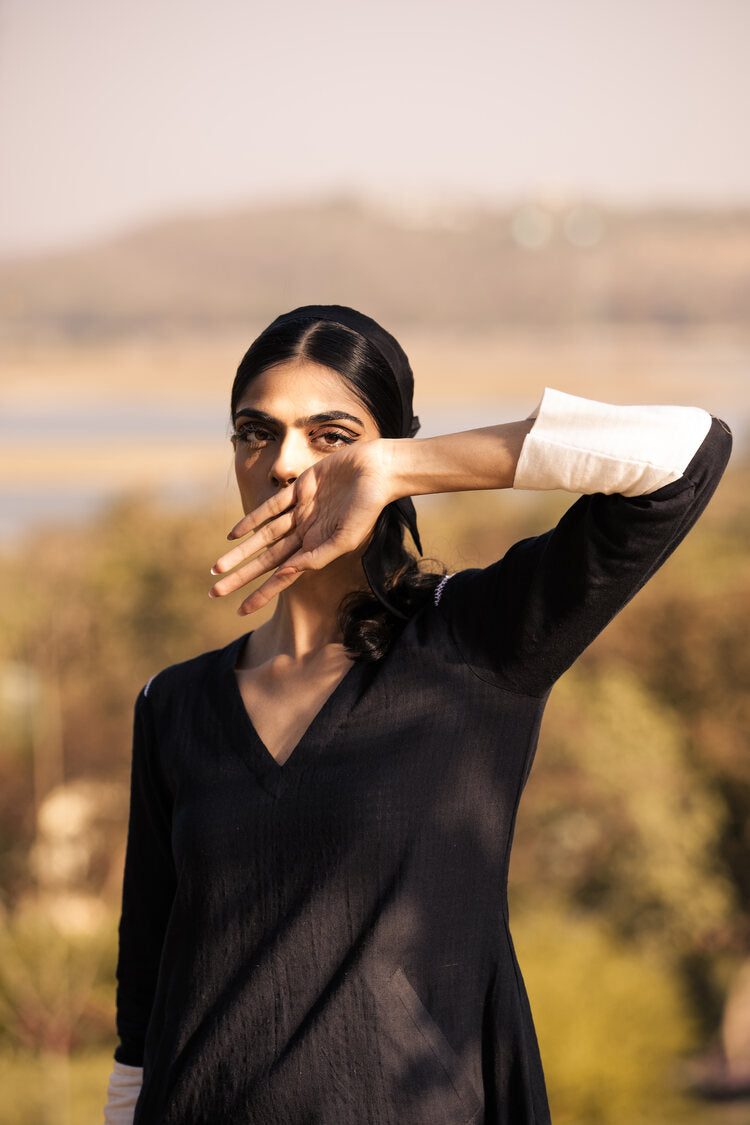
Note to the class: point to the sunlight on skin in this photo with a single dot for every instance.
(291, 418)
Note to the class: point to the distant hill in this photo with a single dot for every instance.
(471, 269)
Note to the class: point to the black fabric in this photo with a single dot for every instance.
(326, 942)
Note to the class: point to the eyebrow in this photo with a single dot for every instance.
(311, 419)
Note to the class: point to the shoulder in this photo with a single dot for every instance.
(189, 677)
(438, 593)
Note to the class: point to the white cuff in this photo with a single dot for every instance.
(122, 1094)
(580, 445)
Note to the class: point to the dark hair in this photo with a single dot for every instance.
(367, 625)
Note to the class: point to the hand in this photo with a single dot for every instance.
(328, 511)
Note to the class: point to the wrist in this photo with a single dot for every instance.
(388, 461)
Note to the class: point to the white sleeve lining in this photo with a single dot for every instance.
(580, 445)
(122, 1094)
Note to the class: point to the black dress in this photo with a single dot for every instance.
(326, 942)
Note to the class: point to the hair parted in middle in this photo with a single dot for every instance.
(327, 335)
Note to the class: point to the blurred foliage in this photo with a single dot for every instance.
(620, 818)
(610, 1020)
(633, 832)
(55, 987)
(104, 610)
(38, 1089)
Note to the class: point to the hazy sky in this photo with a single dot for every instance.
(112, 111)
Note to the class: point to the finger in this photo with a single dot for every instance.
(317, 557)
(281, 580)
(275, 555)
(274, 506)
(271, 533)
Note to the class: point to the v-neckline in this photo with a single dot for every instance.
(326, 721)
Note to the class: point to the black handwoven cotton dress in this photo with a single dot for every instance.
(326, 942)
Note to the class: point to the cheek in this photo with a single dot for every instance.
(246, 459)
(248, 473)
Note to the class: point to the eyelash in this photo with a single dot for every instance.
(242, 434)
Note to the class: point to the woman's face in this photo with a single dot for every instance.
(287, 419)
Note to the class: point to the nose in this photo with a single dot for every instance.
(289, 461)
(281, 480)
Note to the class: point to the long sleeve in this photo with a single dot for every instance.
(122, 1094)
(648, 473)
(580, 445)
(148, 890)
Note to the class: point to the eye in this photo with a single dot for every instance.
(254, 436)
(332, 439)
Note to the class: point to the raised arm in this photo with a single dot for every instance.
(646, 474)
(568, 443)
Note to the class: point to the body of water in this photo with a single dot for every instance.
(126, 430)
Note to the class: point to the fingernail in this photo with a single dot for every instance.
(214, 570)
(211, 594)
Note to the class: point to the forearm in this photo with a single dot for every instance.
(574, 444)
(462, 462)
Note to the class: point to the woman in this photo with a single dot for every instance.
(314, 923)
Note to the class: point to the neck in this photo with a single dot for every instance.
(305, 620)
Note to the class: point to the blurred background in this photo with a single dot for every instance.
(547, 192)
